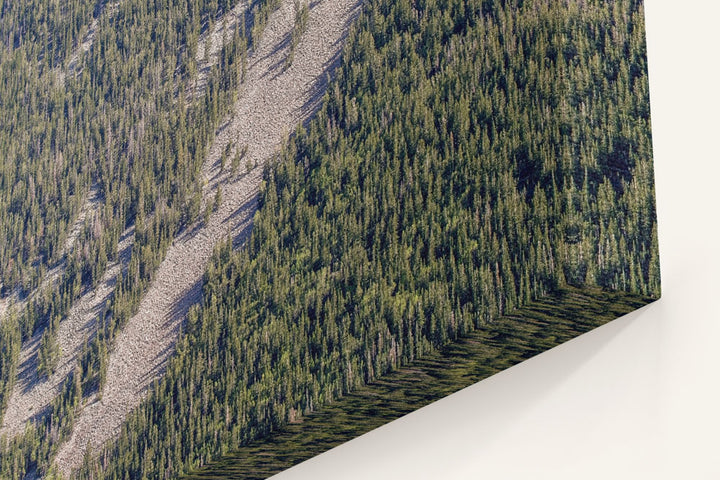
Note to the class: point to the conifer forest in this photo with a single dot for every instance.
(345, 187)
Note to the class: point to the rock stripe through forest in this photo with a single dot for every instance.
(208, 54)
(31, 394)
(73, 65)
(274, 99)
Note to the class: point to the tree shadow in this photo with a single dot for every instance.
(27, 375)
(320, 84)
(246, 209)
(242, 236)
(280, 65)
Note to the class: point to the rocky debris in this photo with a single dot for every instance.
(211, 43)
(89, 209)
(32, 394)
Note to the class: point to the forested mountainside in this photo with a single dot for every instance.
(469, 155)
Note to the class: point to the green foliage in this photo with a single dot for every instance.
(33, 451)
(10, 342)
(48, 353)
(302, 16)
(469, 156)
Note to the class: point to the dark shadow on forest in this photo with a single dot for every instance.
(246, 209)
(27, 371)
(243, 235)
(320, 84)
(189, 297)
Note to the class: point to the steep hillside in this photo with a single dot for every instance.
(33, 393)
(469, 156)
(219, 219)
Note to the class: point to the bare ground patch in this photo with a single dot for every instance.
(92, 204)
(32, 394)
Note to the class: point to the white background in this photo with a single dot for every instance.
(638, 398)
